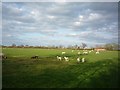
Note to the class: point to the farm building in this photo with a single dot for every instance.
(100, 49)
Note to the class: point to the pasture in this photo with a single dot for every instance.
(20, 71)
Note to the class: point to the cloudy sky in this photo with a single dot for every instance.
(59, 23)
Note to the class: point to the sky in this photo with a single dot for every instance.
(59, 23)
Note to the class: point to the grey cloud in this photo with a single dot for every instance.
(49, 18)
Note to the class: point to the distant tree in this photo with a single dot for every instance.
(22, 45)
(84, 45)
(13, 45)
(70, 47)
(111, 46)
(118, 46)
(60, 46)
(27, 45)
(115, 46)
(75, 46)
(99, 46)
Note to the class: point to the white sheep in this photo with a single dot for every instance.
(85, 52)
(78, 59)
(83, 59)
(78, 53)
(59, 58)
(1, 54)
(97, 52)
(92, 50)
(89, 51)
(66, 58)
(63, 53)
(72, 50)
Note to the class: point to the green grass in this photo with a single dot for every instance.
(19, 71)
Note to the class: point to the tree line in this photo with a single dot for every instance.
(108, 46)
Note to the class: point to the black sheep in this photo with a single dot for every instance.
(34, 57)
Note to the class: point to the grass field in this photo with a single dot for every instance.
(20, 71)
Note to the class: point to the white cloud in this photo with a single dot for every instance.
(69, 20)
(8, 35)
(60, 1)
(94, 16)
(77, 23)
(85, 33)
(50, 17)
(72, 35)
(81, 18)
(18, 22)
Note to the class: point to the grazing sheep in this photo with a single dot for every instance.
(97, 52)
(72, 50)
(83, 59)
(85, 53)
(66, 58)
(34, 57)
(89, 51)
(78, 59)
(59, 58)
(78, 53)
(2, 56)
(63, 53)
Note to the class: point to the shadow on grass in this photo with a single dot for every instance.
(99, 74)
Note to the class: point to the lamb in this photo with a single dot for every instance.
(59, 58)
(83, 59)
(89, 51)
(78, 53)
(85, 53)
(83, 50)
(2, 56)
(78, 59)
(97, 52)
(34, 57)
(66, 58)
(63, 53)
(72, 50)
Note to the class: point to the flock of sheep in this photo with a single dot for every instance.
(63, 57)
(85, 52)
